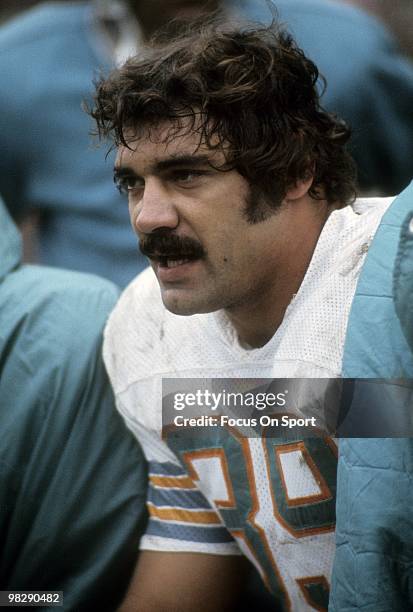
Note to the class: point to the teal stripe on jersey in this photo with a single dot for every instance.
(190, 533)
(178, 498)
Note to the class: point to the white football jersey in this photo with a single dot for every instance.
(272, 500)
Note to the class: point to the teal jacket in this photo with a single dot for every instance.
(373, 568)
(73, 480)
(403, 276)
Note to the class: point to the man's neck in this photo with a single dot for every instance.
(256, 324)
(257, 321)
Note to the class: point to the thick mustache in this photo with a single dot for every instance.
(160, 246)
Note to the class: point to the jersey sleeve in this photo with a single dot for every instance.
(180, 516)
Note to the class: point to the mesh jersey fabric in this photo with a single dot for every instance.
(272, 500)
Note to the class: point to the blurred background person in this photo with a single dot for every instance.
(369, 80)
(398, 17)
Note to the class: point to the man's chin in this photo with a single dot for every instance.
(184, 305)
(179, 306)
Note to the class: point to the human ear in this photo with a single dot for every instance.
(300, 188)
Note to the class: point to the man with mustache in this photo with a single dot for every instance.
(242, 194)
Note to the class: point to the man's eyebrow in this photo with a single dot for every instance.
(180, 161)
(160, 165)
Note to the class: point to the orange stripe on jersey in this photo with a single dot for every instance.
(172, 482)
(201, 517)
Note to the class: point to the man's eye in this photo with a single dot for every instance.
(126, 184)
(187, 176)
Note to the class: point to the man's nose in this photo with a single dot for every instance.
(156, 209)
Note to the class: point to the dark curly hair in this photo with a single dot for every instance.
(247, 90)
